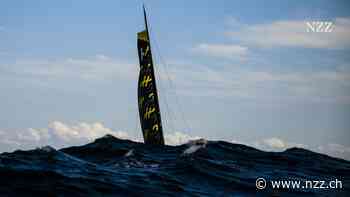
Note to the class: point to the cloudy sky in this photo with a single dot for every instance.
(244, 72)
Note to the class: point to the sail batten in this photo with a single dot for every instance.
(148, 104)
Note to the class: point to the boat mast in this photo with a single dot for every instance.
(146, 24)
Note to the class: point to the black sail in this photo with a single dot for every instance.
(148, 104)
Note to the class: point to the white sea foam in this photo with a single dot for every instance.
(47, 149)
(195, 145)
(129, 153)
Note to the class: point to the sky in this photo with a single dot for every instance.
(241, 71)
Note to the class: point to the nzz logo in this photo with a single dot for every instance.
(319, 26)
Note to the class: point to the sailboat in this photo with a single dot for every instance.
(148, 104)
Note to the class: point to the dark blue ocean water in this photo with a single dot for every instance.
(113, 167)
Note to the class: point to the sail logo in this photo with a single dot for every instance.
(319, 26)
(149, 111)
(144, 54)
(155, 127)
(146, 79)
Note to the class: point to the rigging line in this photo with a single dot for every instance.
(137, 119)
(173, 84)
(170, 120)
(134, 133)
(168, 115)
(172, 117)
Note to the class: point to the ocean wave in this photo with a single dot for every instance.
(113, 167)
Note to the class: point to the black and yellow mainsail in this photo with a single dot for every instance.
(148, 104)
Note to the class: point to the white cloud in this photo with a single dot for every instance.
(232, 81)
(288, 33)
(82, 131)
(232, 22)
(336, 150)
(178, 138)
(57, 134)
(103, 57)
(275, 143)
(99, 67)
(278, 144)
(318, 86)
(195, 80)
(229, 51)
